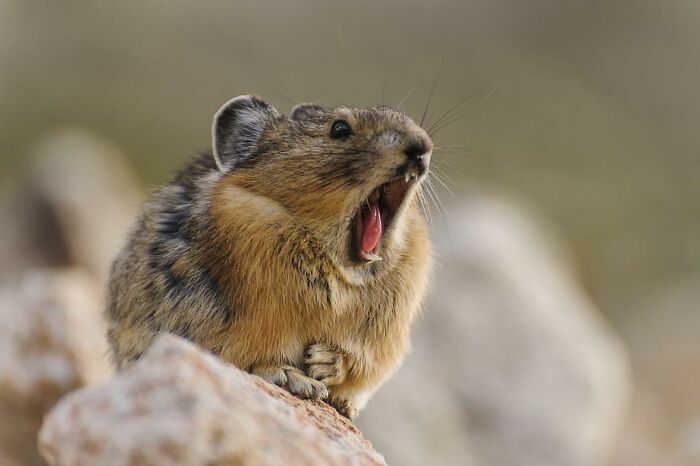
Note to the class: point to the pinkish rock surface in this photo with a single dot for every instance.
(181, 406)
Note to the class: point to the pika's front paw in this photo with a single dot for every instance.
(344, 407)
(325, 364)
(294, 380)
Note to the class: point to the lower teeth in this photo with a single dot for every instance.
(371, 257)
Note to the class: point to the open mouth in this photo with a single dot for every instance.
(375, 215)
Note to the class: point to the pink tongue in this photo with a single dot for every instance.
(371, 227)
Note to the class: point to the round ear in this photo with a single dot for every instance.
(237, 127)
(305, 112)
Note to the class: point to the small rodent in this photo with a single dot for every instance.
(295, 250)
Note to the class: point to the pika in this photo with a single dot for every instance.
(294, 250)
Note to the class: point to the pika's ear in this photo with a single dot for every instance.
(237, 127)
(305, 112)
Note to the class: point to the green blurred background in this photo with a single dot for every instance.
(589, 110)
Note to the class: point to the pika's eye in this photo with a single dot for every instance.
(340, 129)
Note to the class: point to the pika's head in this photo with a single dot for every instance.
(349, 174)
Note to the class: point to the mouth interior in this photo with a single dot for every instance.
(375, 215)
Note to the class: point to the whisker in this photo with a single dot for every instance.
(443, 151)
(451, 167)
(491, 92)
(452, 109)
(426, 206)
(422, 204)
(444, 207)
(433, 196)
(463, 150)
(447, 188)
(436, 128)
(443, 173)
(429, 190)
(432, 91)
(279, 92)
(447, 222)
(408, 94)
(449, 147)
(441, 122)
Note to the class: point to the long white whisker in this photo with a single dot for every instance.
(452, 167)
(437, 178)
(425, 204)
(438, 169)
(431, 193)
(422, 205)
(445, 211)
(447, 222)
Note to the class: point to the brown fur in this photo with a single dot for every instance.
(254, 263)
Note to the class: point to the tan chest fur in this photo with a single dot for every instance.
(286, 292)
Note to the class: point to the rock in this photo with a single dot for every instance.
(181, 406)
(646, 438)
(689, 444)
(512, 365)
(51, 342)
(661, 328)
(73, 207)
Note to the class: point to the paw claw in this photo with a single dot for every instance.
(303, 386)
(294, 381)
(344, 407)
(325, 364)
(272, 374)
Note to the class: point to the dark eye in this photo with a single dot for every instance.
(340, 129)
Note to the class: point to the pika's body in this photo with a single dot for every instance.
(295, 251)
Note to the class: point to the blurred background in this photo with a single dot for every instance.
(564, 323)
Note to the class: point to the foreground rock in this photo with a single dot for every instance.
(181, 406)
(51, 342)
(512, 366)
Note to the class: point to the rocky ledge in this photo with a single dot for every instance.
(181, 406)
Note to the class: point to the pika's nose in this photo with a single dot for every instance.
(417, 149)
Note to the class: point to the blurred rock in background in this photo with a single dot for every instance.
(70, 212)
(513, 365)
(72, 207)
(661, 330)
(51, 342)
